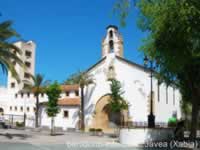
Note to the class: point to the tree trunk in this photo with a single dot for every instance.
(52, 125)
(37, 111)
(194, 123)
(82, 110)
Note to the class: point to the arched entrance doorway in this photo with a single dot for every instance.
(103, 118)
(1, 111)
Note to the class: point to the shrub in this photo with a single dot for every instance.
(99, 130)
(20, 124)
(92, 129)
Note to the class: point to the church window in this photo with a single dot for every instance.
(15, 108)
(16, 95)
(173, 96)
(158, 90)
(111, 73)
(66, 114)
(111, 68)
(111, 46)
(34, 109)
(10, 108)
(111, 34)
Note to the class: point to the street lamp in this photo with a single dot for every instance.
(148, 63)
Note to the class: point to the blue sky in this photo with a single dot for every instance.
(68, 33)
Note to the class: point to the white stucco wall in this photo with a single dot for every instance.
(136, 85)
(60, 121)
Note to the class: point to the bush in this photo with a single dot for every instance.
(92, 130)
(99, 130)
(20, 124)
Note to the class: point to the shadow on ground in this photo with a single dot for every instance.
(11, 136)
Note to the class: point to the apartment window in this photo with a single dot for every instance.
(28, 64)
(34, 109)
(21, 109)
(10, 108)
(66, 114)
(15, 108)
(12, 85)
(22, 94)
(67, 93)
(16, 95)
(28, 54)
(14, 63)
(26, 75)
(26, 85)
(77, 93)
(28, 109)
(15, 52)
(28, 94)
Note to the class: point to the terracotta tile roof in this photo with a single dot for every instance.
(66, 102)
(70, 87)
(69, 102)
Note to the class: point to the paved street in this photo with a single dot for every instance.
(28, 140)
(32, 140)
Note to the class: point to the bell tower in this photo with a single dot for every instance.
(113, 42)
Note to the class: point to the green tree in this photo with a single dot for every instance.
(173, 42)
(116, 103)
(8, 51)
(53, 92)
(186, 110)
(37, 87)
(83, 79)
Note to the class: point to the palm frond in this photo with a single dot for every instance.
(9, 65)
(6, 31)
(6, 50)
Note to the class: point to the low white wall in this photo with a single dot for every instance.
(136, 137)
(60, 121)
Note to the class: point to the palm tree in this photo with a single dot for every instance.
(8, 51)
(83, 79)
(37, 87)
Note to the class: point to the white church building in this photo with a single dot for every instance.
(134, 78)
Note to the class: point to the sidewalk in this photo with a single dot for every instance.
(43, 137)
